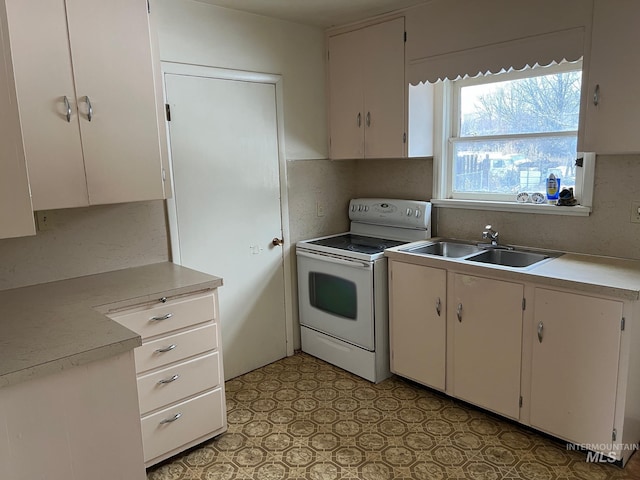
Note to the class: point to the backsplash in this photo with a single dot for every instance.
(84, 241)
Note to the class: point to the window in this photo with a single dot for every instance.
(508, 132)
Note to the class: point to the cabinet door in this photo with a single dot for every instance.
(16, 216)
(575, 366)
(487, 342)
(418, 323)
(611, 126)
(44, 79)
(111, 51)
(384, 90)
(346, 116)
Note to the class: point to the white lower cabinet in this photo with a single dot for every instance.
(486, 320)
(179, 370)
(417, 323)
(562, 361)
(74, 424)
(576, 350)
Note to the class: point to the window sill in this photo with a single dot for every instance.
(544, 209)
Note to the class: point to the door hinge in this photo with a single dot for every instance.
(164, 175)
(524, 303)
(520, 402)
(622, 322)
(167, 111)
(614, 435)
(148, 7)
(405, 36)
(404, 137)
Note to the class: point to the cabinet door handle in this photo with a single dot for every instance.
(166, 316)
(89, 108)
(359, 119)
(596, 95)
(168, 380)
(67, 106)
(438, 304)
(166, 349)
(170, 420)
(459, 312)
(540, 328)
(368, 119)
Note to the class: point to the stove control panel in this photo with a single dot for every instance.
(391, 212)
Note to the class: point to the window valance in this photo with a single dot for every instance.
(541, 49)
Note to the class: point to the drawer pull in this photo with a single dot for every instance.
(166, 349)
(170, 420)
(166, 316)
(169, 380)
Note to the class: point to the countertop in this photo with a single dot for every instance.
(606, 276)
(49, 327)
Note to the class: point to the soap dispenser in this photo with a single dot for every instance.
(553, 188)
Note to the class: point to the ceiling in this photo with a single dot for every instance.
(321, 13)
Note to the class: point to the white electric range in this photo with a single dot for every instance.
(342, 284)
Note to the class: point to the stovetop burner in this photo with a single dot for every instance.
(358, 243)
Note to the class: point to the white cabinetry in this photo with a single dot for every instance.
(564, 362)
(86, 95)
(367, 92)
(16, 216)
(75, 424)
(486, 320)
(417, 323)
(576, 350)
(611, 126)
(180, 375)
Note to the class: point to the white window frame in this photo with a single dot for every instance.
(446, 129)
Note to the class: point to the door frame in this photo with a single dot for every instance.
(172, 68)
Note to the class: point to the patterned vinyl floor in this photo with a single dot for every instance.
(301, 418)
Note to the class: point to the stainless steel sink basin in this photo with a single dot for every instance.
(446, 249)
(510, 258)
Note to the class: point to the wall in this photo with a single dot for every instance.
(83, 241)
(201, 34)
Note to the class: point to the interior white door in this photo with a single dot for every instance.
(224, 150)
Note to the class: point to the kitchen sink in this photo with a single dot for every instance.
(446, 249)
(510, 258)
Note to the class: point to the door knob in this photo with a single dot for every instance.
(277, 242)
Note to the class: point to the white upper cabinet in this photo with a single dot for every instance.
(367, 92)
(613, 106)
(87, 101)
(16, 216)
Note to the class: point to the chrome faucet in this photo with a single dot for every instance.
(490, 234)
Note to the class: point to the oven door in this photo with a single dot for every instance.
(336, 297)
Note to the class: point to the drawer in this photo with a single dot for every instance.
(176, 347)
(159, 318)
(194, 418)
(178, 381)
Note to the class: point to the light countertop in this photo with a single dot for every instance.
(606, 276)
(48, 327)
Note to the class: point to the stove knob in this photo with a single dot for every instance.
(353, 208)
(418, 213)
(409, 212)
(360, 208)
(366, 208)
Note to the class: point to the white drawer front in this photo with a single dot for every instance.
(196, 418)
(174, 348)
(178, 381)
(159, 318)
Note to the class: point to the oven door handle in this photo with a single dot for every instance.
(339, 261)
